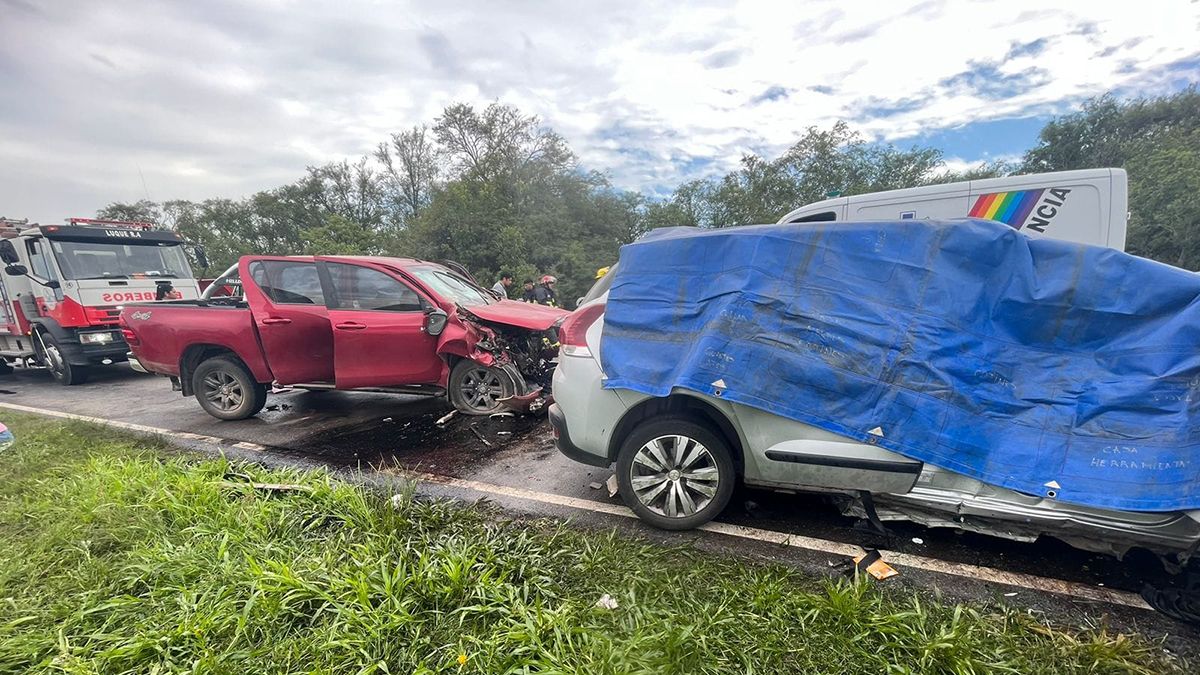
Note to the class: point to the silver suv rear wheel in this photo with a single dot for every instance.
(675, 473)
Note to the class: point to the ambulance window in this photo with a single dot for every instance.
(38, 263)
(822, 217)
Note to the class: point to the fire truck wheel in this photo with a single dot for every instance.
(56, 362)
(226, 390)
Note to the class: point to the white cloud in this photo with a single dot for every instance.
(223, 99)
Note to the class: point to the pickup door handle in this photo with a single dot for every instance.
(272, 320)
(350, 325)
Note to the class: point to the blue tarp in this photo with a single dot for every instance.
(1033, 364)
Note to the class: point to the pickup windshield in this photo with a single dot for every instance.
(103, 260)
(449, 285)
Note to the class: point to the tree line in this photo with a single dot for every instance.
(495, 189)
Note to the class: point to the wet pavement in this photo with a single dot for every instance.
(377, 432)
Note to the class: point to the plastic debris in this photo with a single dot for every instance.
(387, 419)
(502, 413)
(397, 501)
(446, 418)
(594, 485)
(478, 435)
(611, 484)
(872, 563)
(606, 601)
(918, 540)
(1009, 595)
(268, 487)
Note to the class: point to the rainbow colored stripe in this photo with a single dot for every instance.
(1010, 208)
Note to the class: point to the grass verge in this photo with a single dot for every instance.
(116, 556)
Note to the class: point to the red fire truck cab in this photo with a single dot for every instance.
(63, 285)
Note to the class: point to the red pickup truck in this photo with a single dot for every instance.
(345, 322)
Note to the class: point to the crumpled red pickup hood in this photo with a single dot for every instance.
(519, 314)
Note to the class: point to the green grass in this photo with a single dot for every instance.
(117, 556)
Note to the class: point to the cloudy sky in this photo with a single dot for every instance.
(104, 101)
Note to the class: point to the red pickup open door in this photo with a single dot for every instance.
(378, 327)
(288, 307)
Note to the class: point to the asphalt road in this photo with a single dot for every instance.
(378, 434)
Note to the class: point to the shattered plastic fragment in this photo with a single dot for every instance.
(446, 418)
(872, 563)
(611, 484)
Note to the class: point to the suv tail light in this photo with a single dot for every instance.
(131, 338)
(572, 335)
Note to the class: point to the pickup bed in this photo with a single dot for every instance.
(343, 322)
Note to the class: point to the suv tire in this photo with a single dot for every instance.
(675, 484)
(475, 389)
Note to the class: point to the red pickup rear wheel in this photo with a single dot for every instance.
(475, 389)
(226, 390)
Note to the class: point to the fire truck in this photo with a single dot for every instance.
(63, 286)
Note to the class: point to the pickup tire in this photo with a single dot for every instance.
(226, 389)
(475, 389)
(675, 472)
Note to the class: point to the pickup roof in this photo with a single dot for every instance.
(346, 322)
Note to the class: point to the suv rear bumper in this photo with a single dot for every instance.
(562, 440)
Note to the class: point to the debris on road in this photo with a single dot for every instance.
(446, 418)
(606, 601)
(612, 485)
(268, 487)
(387, 419)
(871, 563)
(1009, 595)
(486, 442)
(918, 540)
(594, 485)
(503, 413)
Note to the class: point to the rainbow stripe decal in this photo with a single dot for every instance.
(1010, 208)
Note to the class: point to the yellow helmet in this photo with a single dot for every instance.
(601, 272)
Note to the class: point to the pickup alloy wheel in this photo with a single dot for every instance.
(226, 390)
(475, 389)
(675, 473)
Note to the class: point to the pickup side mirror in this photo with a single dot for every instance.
(201, 256)
(8, 252)
(435, 322)
(53, 284)
(16, 270)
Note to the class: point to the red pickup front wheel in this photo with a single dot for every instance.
(226, 390)
(477, 390)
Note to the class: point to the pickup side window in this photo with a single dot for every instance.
(288, 282)
(363, 288)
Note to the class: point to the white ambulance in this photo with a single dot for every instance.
(1089, 206)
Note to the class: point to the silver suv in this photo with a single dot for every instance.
(678, 457)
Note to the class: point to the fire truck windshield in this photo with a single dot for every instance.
(104, 260)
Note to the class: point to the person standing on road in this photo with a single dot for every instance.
(528, 295)
(501, 287)
(543, 294)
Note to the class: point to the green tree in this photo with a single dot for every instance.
(1157, 140)
(141, 211)
(836, 160)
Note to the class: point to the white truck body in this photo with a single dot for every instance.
(1089, 206)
